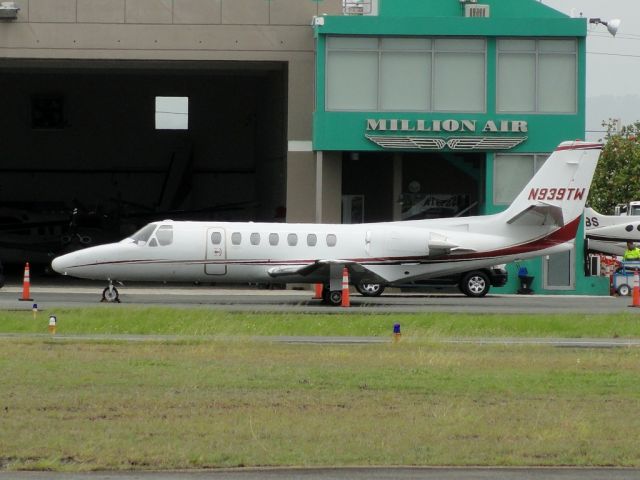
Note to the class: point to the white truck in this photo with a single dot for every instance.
(630, 209)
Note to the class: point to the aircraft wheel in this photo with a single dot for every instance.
(331, 297)
(624, 290)
(111, 295)
(335, 298)
(475, 284)
(367, 289)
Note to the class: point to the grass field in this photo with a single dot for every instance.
(122, 319)
(225, 400)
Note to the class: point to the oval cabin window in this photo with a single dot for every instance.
(312, 239)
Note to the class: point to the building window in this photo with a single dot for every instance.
(537, 75)
(331, 240)
(352, 73)
(255, 238)
(410, 90)
(273, 239)
(459, 75)
(406, 74)
(236, 238)
(292, 239)
(312, 239)
(511, 173)
(172, 113)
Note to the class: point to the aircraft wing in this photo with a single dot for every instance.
(541, 214)
(320, 267)
(291, 270)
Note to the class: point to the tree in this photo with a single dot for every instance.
(617, 177)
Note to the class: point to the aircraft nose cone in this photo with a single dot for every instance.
(59, 264)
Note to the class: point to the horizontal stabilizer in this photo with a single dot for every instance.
(541, 214)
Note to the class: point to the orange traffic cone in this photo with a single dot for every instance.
(345, 288)
(636, 290)
(26, 285)
(318, 290)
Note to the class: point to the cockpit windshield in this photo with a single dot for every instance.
(142, 236)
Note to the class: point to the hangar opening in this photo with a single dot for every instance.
(92, 150)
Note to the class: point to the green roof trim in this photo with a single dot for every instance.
(454, 26)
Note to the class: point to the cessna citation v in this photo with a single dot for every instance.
(610, 233)
(543, 219)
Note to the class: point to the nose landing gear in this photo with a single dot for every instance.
(110, 294)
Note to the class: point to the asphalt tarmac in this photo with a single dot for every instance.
(400, 473)
(256, 300)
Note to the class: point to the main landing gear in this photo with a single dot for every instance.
(331, 297)
(332, 290)
(110, 294)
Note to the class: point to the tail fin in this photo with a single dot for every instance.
(557, 193)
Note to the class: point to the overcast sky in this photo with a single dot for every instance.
(613, 64)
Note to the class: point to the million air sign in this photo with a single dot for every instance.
(466, 135)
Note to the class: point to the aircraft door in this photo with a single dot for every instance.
(216, 252)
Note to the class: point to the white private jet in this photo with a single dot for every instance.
(543, 219)
(609, 234)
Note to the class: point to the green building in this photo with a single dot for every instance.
(433, 108)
